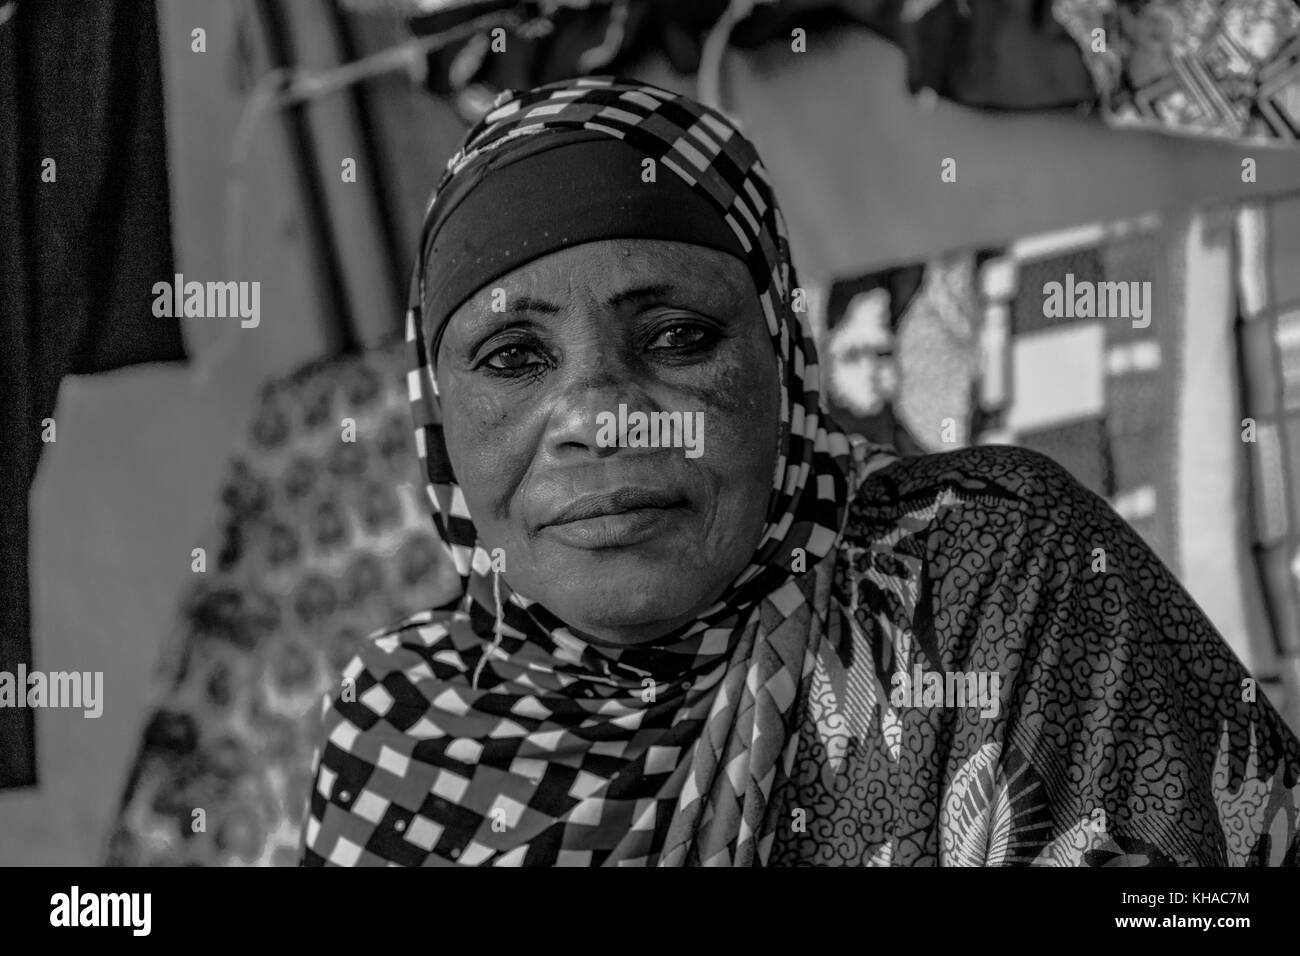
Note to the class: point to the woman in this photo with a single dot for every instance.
(792, 647)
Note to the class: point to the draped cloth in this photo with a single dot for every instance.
(1122, 731)
(557, 751)
(85, 232)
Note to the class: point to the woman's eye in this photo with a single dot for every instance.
(679, 336)
(510, 358)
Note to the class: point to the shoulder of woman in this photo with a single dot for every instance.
(1010, 533)
(1018, 486)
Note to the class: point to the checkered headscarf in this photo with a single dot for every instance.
(486, 732)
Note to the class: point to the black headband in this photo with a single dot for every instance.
(537, 198)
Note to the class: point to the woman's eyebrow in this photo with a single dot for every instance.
(650, 291)
(525, 304)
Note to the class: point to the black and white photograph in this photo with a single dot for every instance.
(650, 433)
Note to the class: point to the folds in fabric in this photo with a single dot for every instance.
(985, 53)
(85, 231)
(1209, 67)
(1268, 349)
(1123, 730)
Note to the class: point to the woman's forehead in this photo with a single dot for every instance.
(610, 268)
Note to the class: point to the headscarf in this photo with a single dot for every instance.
(486, 731)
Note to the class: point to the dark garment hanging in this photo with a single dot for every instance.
(1000, 54)
(80, 249)
(995, 54)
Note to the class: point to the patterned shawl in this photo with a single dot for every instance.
(485, 731)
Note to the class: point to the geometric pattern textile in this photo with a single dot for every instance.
(1228, 68)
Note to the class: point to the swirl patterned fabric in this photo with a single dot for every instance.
(1126, 732)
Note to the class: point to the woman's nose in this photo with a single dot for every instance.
(589, 390)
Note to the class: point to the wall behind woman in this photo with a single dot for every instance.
(857, 160)
(130, 486)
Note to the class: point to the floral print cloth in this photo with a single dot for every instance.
(317, 540)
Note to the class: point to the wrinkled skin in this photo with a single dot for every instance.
(655, 326)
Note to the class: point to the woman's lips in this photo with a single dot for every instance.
(613, 519)
(613, 530)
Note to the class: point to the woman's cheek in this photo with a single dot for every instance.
(485, 443)
(741, 413)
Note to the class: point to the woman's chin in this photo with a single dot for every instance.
(634, 593)
(618, 614)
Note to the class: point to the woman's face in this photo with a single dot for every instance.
(622, 543)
